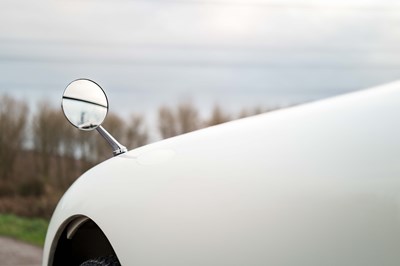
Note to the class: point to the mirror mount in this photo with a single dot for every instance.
(117, 147)
(85, 106)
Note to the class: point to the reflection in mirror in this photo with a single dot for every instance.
(85, 104)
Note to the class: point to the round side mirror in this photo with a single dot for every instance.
(85, 104)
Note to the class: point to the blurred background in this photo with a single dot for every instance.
(169, 67)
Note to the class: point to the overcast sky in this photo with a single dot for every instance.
(238, 53)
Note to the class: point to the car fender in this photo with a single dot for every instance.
(306, 185)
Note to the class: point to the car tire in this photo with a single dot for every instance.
(102, 261)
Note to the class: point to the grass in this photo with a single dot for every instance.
(30, 230)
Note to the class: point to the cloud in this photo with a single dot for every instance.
(214, 48)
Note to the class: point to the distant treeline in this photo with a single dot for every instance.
(41, 154)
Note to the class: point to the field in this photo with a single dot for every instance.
(30, 230)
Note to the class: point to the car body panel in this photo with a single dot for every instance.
(316, 184)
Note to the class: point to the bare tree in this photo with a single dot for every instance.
(67, 162)
(136, 132)
(167, 123)
(47, 136)
(183, 119)
(13, 119)
(218, 116)
(87, 149)
(188, 118)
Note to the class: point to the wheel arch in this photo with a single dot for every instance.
(78, 239)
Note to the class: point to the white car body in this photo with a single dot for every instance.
(316, 184)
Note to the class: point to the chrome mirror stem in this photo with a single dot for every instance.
(117, 147)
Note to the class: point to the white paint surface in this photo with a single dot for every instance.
(317, 184)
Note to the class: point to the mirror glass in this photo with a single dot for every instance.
(85, 104)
